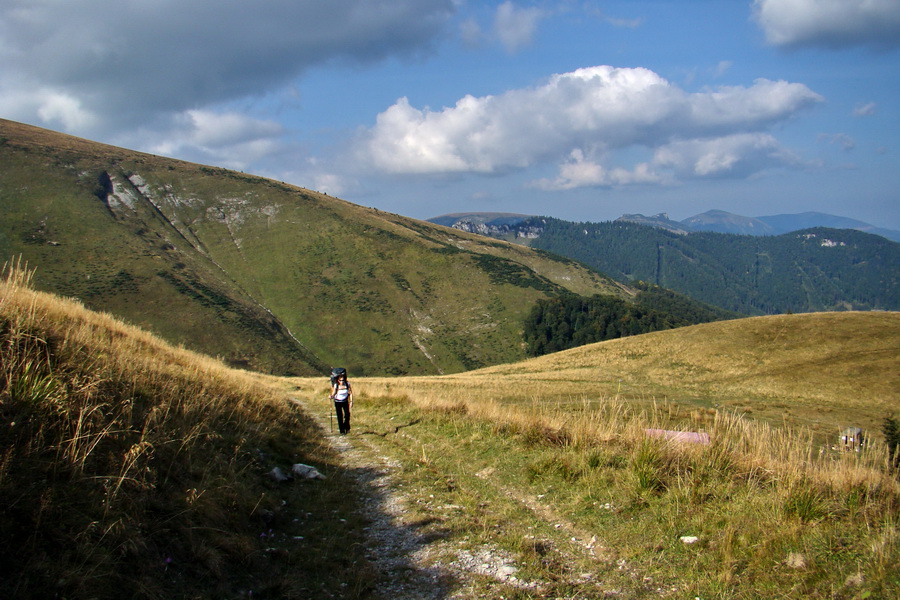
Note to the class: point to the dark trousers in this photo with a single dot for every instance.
(343, 415)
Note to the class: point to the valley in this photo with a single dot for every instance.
(532, 479)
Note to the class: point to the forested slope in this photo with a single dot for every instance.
(811, 270)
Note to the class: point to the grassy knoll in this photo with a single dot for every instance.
(132, 468)
(824, 371)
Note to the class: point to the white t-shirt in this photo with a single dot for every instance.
(343, 392)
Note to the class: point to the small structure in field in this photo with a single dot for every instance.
(852, 439)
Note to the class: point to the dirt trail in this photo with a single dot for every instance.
(414, 558)
(397, 550)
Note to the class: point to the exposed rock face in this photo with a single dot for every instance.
(502, 230)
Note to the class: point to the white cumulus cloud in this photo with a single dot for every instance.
(829, 23)
(578, 172)
(576, 115)
(738, 155)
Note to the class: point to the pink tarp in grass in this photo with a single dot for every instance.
(679, 436)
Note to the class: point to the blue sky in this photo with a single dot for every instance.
(582, 110)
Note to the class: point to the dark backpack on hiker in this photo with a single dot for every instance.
(336, 374)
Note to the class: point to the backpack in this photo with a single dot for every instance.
(336, 374)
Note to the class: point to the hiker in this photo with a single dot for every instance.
(342, 394)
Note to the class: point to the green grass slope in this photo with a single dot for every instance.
(139, 268)
(267, 275)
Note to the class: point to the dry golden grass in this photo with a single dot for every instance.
(129, 464)
(824, 371)
(777, 514)
(773, 391)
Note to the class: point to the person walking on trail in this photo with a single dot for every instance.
(342, 394)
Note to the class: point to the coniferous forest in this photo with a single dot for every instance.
(810, 270)
(566, 322)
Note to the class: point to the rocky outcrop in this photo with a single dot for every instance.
(517, 230)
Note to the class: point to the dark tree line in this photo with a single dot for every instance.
(570, 321)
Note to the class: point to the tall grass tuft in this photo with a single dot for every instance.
(647, 467)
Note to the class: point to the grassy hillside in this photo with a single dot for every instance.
(266, 275)
(824, 371)
(132, 468)
(130, 464)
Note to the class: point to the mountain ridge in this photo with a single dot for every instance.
(712, 220)
(805, 270)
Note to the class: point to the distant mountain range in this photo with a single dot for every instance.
(718, 221)
(811, 269)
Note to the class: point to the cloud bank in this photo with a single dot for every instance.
(176, 78)
(576, 119)
(76, 65)
(830, 23)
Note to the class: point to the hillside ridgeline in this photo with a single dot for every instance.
(269, 276)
